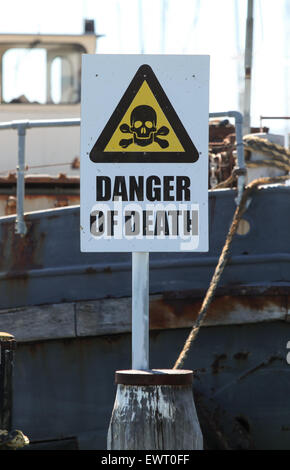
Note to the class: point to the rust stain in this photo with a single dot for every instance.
(37, 202)
(240, 356)
(108, 270)
(231, 290)
(19, 254)
(41, 178)
(51, 197)
(75, 163)
(41, 192)
(219, 130)
(216, 365)
(90, 270)
(61, 201)
(181, 313)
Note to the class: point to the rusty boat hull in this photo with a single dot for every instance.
(70, 314)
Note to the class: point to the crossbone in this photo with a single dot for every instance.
(124, 143)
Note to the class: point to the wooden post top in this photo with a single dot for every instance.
(5, 336)
(154, 377)
(7, 341)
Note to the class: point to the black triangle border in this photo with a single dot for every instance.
(190, 155)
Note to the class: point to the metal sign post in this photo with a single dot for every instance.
(140, 311)
(144, 188)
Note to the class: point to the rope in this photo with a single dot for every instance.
(280, 157)
(261, 145)
(222, 262)
(277, 163)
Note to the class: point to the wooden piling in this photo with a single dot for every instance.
(7, 347)
(154, 410)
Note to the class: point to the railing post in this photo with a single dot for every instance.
(241, 170)
(21, 228)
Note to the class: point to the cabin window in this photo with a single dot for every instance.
(61, 79)
(24, 76)
(41, 75)
(55, 77)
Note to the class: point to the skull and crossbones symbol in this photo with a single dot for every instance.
(143, 128)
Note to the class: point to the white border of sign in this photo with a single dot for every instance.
(185, 80)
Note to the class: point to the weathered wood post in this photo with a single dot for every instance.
(154, 410)
(7, 347)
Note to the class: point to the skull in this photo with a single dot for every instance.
(143, 124)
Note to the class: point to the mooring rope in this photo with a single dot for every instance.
(223, 261)
(280, 157)
(260, 145)
(277, 163)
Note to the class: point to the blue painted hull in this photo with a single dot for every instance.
(47, 266)
(64, 391)
(65, 388)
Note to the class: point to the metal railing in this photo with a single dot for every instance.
(23, 125)
(262, 118)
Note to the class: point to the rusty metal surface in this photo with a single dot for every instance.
(37, 202)
(222, 143)
(225, 309)
(222, 150)
(60, 179)
(113, 316)
(41, 192)
(241, 374)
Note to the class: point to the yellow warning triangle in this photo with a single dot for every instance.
(144, 127)
(144, 97)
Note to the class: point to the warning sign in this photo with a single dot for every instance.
(144, 153)
(144, 127)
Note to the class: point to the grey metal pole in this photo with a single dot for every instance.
(140, 311)
(248, 68)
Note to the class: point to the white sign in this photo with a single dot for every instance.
(144, 153)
